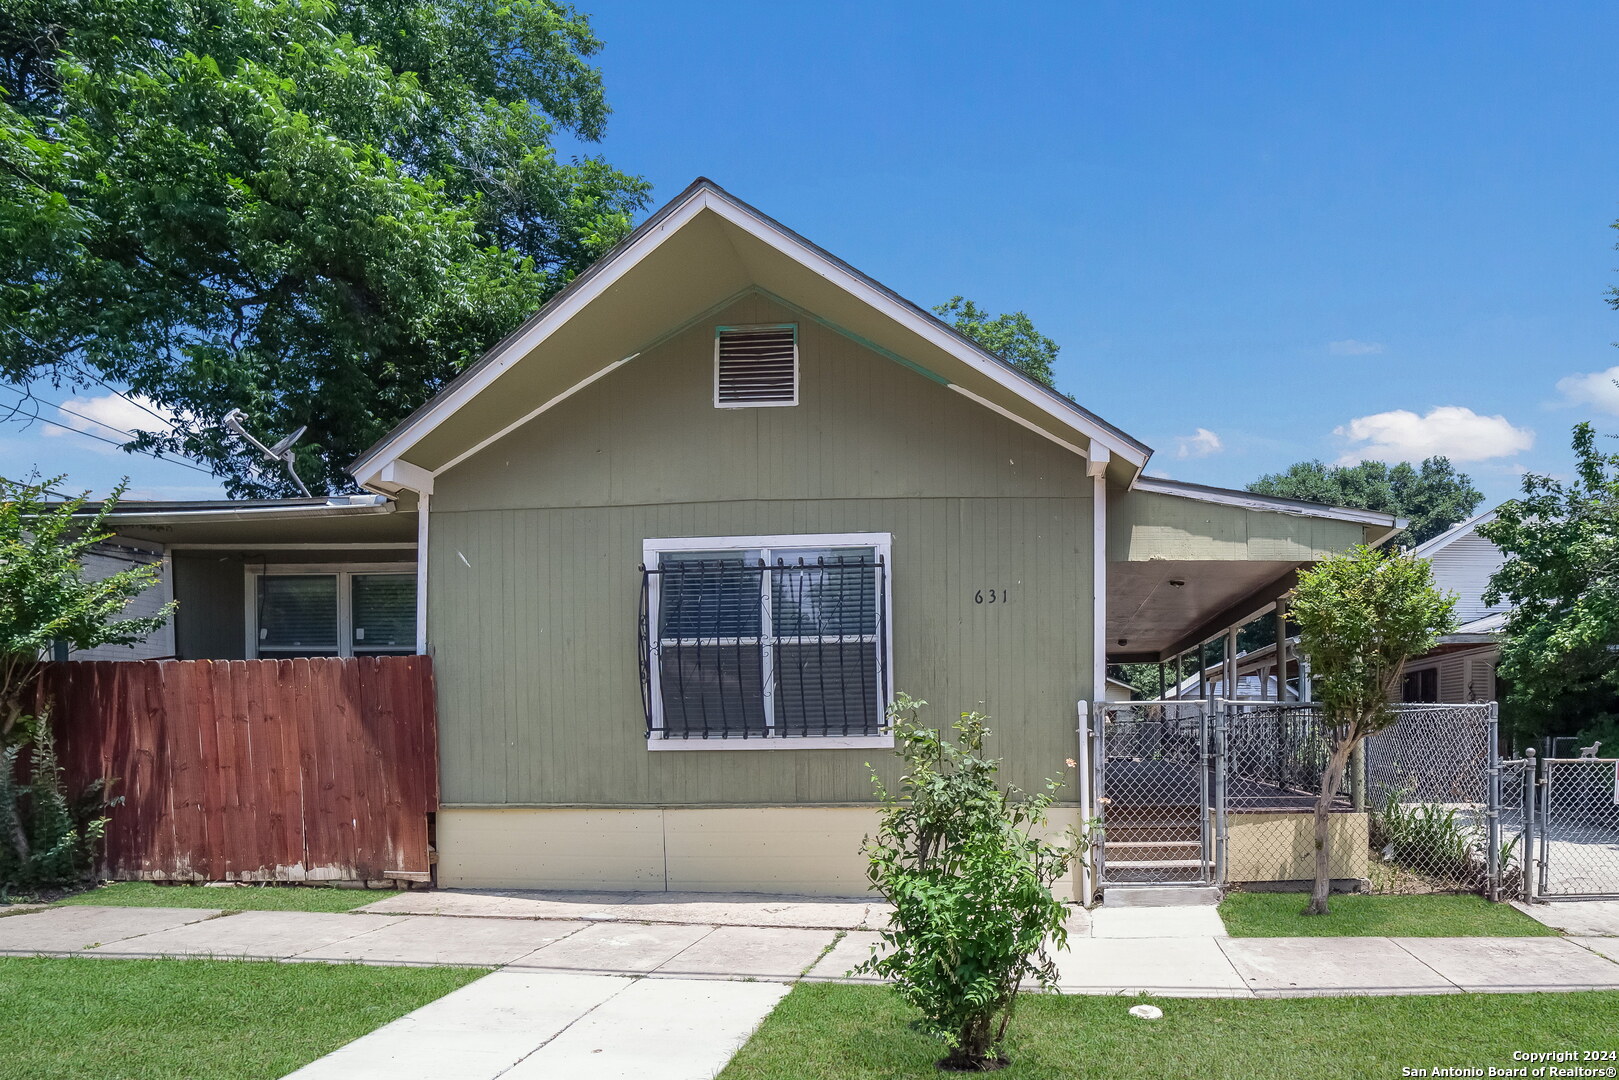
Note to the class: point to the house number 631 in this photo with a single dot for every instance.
(989, 596)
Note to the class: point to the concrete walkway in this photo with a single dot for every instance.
(665, 987)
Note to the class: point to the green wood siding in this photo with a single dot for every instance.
(534, 586)
(1144, 525)
(209, 621)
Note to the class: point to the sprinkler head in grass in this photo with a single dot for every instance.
(1147, 1012)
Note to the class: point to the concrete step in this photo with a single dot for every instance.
(1160, 896)
(1139, 850)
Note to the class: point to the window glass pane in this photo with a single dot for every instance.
(709, 595)
(824, 592)
(711, 690)
(384, 613)
(298, 613)
(827, 689)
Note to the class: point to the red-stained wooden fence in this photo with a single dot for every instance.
(255, 770)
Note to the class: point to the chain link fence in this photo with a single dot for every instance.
(1576, 829)
(1226, 792)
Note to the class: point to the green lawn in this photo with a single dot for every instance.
(824, 1031)
(248, 898)
(84, 1019)
(1356, 915)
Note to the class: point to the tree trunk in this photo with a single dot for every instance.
(1330, 782)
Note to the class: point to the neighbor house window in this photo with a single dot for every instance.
(755, 366)
(1421, 686)
(295, 611)
(761, 640)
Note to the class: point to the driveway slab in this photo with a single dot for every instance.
(615, 948)
(657, 1029)
(264, 935)
(1514, 963)
(430, 940)
(74, 929)
(759, 952)
(1177, 921)
(1275, 967)
(1585, 918)
(1189, 967)
(713, 909)
(1602, 946)
(475, 1033)
(853, 949)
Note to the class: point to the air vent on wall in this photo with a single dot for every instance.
(755, 366)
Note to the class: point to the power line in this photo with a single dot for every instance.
(17, 407)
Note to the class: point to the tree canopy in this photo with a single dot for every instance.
(315, 212)
(1561, 578)
(1432, 496)
(1010, 336)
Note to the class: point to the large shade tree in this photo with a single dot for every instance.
(314, 212)
(1432, 496)
(1010, 336)
(1560, 653)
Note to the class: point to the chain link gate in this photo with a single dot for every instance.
(1427, 804)
(1155, 793)
(1576, 829)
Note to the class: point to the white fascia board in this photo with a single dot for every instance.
(1248, 500)
(368, 469)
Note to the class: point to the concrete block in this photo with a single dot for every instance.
(1278, 967)
(1514, 964)
(428, 939)
(265, 935)
(1187, 967)
(657, 1029)
(750, 952)
(1584, 918)
(74, 929)
(1156, 922)
(855, 948)
(614, 948)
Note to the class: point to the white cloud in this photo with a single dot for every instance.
(1592, 388)
(1351, 347)
(1201, 443)
(106, 417)
(1458, 433)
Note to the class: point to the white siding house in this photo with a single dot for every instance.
(1462, 667)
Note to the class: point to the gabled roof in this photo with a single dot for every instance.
(707, 229)
(1428, 547)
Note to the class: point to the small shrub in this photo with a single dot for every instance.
(46, 838)
(970, 881)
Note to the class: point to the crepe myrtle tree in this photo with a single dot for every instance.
(1361, 616)
(968, 869)
(45, 597)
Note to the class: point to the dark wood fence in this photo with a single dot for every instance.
(255, 770)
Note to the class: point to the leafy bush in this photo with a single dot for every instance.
(1438, 843)
(970, 878)
(46, 838)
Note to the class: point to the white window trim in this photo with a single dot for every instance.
(345, 617)
(718, 404)
(882, 543)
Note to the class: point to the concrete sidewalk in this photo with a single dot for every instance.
(1172, 951)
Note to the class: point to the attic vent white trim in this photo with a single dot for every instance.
(755, 366)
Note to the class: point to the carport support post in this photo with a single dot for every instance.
(1357, 777)
(1231, 664)
(1281, 649)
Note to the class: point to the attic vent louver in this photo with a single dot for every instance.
(755, 366)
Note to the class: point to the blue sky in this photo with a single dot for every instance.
(1260, 232)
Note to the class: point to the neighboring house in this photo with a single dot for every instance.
(1461, 667)
(676, 542)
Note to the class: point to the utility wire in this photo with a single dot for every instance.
(17, 407)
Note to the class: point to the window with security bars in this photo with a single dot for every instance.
(755, 366)
(785, 639)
